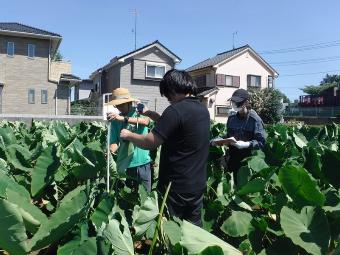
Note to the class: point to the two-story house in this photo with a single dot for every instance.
(222, 74)
(30, 81)
(140, 71)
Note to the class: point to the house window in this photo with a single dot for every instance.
(155, 70)
(10, 48)
(31, 96)
(201, 81)
(31, 50)
(227, 80)
(270, 81)
(222, 110)
(44, 96)
(254, 81)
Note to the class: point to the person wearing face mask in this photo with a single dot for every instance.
(246, 126)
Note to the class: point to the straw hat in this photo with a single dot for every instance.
(121, 96)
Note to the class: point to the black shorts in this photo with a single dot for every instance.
(139, 175)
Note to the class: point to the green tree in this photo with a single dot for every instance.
(268, 104)
(329, 81)
(58, 56)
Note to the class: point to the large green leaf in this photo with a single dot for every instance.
(118, 234)
(300, 140)
(7, 136)
(146, 215)
(253, 186)
(77, 247)
(13, 236)
(18, 156)
(31, 214)
(312, 161)
(172, 230)
(100, 215)
(330, 167)
(257, 163)
(196, 240)
(300, 186)
(64, 219)
(309, 229)
(44, 170)
(238, 224)
(125, 154)
(7, 182)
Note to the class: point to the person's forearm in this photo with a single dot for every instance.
(141, 141)
(140, 121)
(152, 115)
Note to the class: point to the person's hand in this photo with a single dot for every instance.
(114, 116)
(241, 145)
(125, 134)
(220, 142)
(144, 111)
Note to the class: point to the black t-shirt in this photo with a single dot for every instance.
(184, 128)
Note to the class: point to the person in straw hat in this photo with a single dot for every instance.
(138, 169)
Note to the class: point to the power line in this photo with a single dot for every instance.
(307, 61)
(299, 74)
(303, 47)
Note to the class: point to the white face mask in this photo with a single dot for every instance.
(234, 106)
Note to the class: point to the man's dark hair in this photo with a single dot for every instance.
(177, 81)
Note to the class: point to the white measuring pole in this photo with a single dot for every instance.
(108, 152)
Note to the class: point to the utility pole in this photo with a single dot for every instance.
(135, 13)
(234, 33)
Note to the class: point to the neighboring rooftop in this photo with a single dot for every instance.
(21, 28)
(217, 59)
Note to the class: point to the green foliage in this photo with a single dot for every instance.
(286, 200)
(267, 104)
(330, 81)
(58, 56)
(87, 108)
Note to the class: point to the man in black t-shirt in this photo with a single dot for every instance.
(183, 132)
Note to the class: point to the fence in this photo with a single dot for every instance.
(312, 112)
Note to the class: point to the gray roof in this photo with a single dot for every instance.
(67, 76)
(203, 91)
(217, 59)
(17, 27)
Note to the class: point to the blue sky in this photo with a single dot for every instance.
(96, 31)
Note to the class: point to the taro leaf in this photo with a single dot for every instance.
(18, 156)
(12, 230)
(255, 185)
(102, 212)
(211, 213)
(275, 153)
(212, 250)
(309, 229)
(31, 214)
(7, 136)
(77, 247)
(7, 183)
(238, 224)
(118, 234)
(196, 240)
(243, 176)
(300, 186)
(312, 161)
(61, 132)
(46, 166)
(330, 167)
(172, 230)
(146, 215)
(125, 154)
(300, 140)
(257, 163)
(69, 213)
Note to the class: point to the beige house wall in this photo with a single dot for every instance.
(59, 67)
(19, 73)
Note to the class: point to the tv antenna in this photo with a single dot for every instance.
(234, 33)
(135, 13)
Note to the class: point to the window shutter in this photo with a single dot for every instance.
(236, 81)
(220, 79)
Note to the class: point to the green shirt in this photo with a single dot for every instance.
(140, 156)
